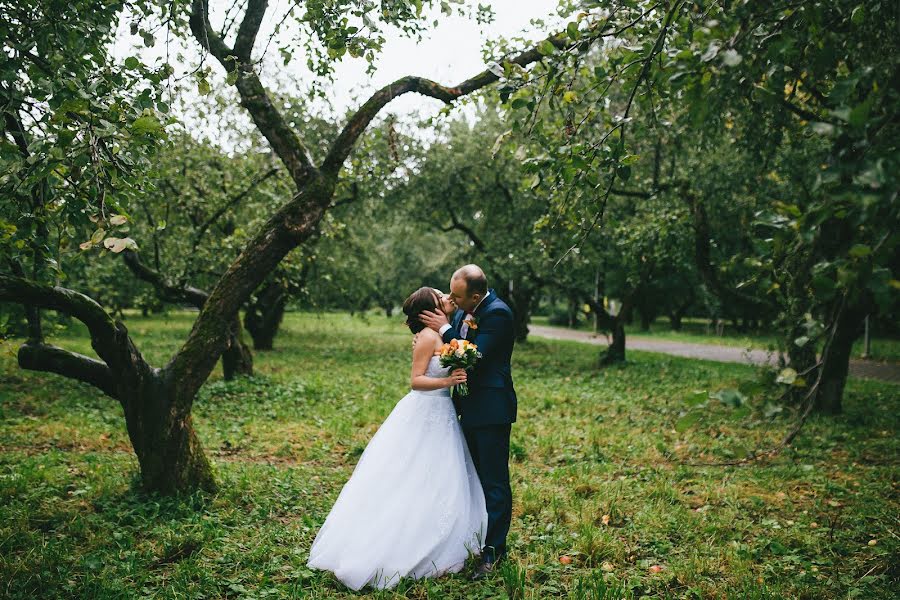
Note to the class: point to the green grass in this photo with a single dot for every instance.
(595, 474)
(697, 331)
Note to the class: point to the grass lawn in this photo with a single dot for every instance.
(596, 477)
(696, 331)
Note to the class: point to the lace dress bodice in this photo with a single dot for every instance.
(435, 369)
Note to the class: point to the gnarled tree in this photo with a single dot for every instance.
(158, 401)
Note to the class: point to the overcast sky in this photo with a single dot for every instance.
(448, 54)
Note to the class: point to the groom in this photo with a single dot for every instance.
(488, 411)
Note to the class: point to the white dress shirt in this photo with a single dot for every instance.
(464, 327)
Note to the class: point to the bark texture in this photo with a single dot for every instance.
(163, 438)
(158, 402)
(264, 315)
(237, 359)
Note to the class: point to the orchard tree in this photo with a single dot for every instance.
(470, 183)
(157, 401)
(78, 133)
(810, 92)
(193, 222)
(773, 77)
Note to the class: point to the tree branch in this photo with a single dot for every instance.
(22, 291)
(703, 259)
(353, 197)
(460, 226)
(291, 225)
(17, 132)
(249, 28)
(203, 227)
(254, 99)
(631, 193)
(109, 338)
(53, 359)
(802, 112)
(357, 124)
(168, 290)
(641, 194)
(507, 194)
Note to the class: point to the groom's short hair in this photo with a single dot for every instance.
(476, 281)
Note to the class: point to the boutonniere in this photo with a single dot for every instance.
(472, 322)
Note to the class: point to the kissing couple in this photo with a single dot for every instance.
(432, 486)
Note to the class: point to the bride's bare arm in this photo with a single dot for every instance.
(427, 341)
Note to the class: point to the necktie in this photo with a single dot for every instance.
(464, 328)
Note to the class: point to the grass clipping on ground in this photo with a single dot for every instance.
(603, 507)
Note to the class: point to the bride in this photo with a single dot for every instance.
(414, 506)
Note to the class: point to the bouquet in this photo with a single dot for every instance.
(459, 354)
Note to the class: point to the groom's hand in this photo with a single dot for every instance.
(433, 319)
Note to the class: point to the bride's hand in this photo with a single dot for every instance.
(457, 376)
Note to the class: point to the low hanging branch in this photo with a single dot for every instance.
(108, 337)
(157, 402)
(231, 203)
(53, 359)
(809, 399)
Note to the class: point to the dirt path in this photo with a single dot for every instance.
(884, 371)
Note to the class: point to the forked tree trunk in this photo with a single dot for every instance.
(157, 402)
(237, 358)
(159, 427)
(264, 316)
(169, 453)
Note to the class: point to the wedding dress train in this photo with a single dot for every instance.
(413, 506)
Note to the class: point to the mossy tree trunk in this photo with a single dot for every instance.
(157, 402)
(237, 359)
(170, 455)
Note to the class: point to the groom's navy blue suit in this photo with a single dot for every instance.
(488, 411)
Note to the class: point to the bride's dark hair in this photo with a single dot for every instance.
(424, 298)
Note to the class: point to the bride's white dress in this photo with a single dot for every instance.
(414, 506)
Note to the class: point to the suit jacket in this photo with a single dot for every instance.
(492, 398)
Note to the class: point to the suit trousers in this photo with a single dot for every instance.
(489, 447)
